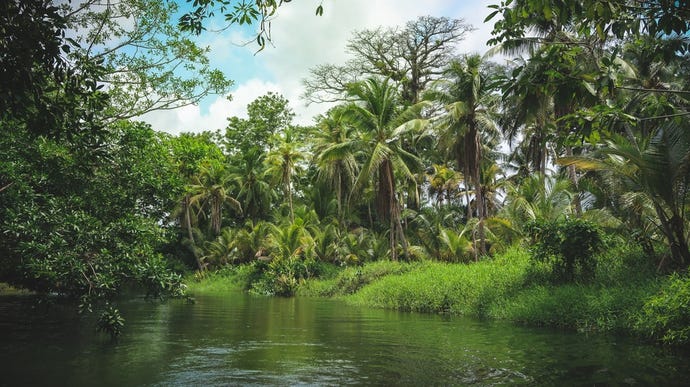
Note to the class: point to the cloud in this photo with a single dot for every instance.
(301, 41)
(192, 119)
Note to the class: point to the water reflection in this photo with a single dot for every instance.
(244, 340)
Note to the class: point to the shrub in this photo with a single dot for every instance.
(567, 247)
(666, 315)
(281, 277)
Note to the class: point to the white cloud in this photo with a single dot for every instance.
(302, 41)
(192, 119)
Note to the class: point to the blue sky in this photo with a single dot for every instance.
(301, 41)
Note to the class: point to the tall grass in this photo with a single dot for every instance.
(626, 295)
(507, 288)
(225, 280)
(350, 279)
(472, 290)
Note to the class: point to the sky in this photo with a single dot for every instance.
(302, 41)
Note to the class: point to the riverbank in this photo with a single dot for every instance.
(626, 297)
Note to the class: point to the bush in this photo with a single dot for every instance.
(621, 262)
(281, 277)
(666, 315)
(567, 248)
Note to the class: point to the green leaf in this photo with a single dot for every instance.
(491, 15)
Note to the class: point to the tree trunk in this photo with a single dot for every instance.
(216, 215)
(338, 197)
(188, 218)
(190, 234)
(396, 229)
(288, 192)
(572, 174)
(674, 230)
(479, 203)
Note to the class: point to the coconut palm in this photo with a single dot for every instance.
(538, 197)
(220, 251)
(382, 120)
(210, 191)
(334, 154)
(444, 184)
(283, 163)
(656, 172)
(467, 93)
(255, 192)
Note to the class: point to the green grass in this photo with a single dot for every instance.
(626, 295)
(469, 290)
(228, 279)
(350, 279)
(507, 288)
(585, 308)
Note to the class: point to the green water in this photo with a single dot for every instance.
(245, 340)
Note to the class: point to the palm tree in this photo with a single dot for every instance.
(527, 107)
(255, 193)
(382, 120)
(334, 154)
(538, 197)
(222, 250)
(554, 83)
(656, 171)
(444, 183)
(467, 94)
(454, 246)
(210, 190)
(283, 162)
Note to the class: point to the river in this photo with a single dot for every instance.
(239, 339)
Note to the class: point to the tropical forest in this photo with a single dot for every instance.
(533, 193)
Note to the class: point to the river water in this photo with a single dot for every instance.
(244, 340)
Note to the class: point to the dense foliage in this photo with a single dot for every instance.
(411, 165)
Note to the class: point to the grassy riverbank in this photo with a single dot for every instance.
(626, 296)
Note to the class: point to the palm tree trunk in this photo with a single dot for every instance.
(338, 197)
(188, 218)
(216, 215)
(396, 229)
(288, 192)
(674, 230)
(190, 234)
(391, 238)
(400, 229)
(572, 174)
(479, 198)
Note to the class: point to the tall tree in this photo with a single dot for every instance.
(267, 116)
(468, 95)
(256, 195)
(210, 189)
(283, 162)
(411, 56)
(146, 63)
(335, 154)
(383, 120)
(71, 190)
